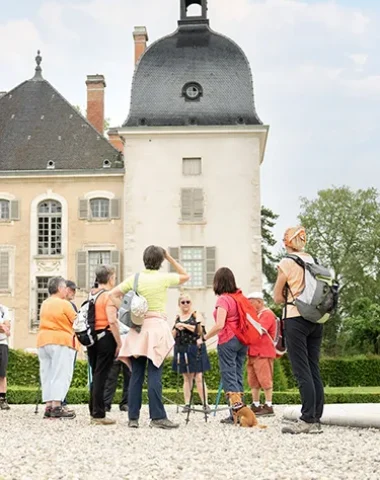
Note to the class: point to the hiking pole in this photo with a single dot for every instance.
(38, 395)
(178, 360)
(199, 359)
(192, 387)
(218, 395)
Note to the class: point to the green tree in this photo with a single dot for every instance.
(343, 228)
(364, 326)
(269, 259)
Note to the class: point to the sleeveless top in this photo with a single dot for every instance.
(185, 337)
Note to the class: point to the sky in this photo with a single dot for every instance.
(315, 65)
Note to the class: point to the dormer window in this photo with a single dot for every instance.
(50, 165)
(106, 163)
(192, 91)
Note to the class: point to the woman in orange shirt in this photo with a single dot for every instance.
(56, 349)
(102, 354)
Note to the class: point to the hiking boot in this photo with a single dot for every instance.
(4, 404)
(59, 412)
(47, 412)
(265, 411)
(186, 408)
(102, 421)
(227, 420)
(67, 409)
(124, 408)
(301, 427)
(163, 423)
(133, 423)
(255, 410)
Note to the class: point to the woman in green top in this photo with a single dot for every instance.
(149, 347)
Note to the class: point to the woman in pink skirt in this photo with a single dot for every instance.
(149, 347)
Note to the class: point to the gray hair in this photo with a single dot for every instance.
(103, 273)
(54, 283)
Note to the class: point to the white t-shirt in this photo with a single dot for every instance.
(4, 315)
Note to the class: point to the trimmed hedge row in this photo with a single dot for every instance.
(28, 395)
(336, 372)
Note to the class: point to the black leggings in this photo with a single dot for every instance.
(303, 340)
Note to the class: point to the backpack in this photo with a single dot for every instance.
(133, 307)
(248, 330)
(279, 340)
(84, 324)
(319, 297)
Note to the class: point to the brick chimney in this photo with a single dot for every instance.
(140, 36)
(95, 101)
(115, 139)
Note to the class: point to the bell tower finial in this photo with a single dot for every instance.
(193, 19)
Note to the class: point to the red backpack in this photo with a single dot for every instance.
(248, 330)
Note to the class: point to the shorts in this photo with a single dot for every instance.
(260, 372)
(3, 360)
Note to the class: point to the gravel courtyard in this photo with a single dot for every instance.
(33, 448)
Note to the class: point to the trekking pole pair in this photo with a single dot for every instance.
(198, 356)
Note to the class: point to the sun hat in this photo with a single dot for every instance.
(256, 296)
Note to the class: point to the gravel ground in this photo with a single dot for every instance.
(33, 448)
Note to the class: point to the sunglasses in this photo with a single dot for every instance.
(185, 302)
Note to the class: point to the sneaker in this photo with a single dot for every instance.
(124, 408)
(227, 420)
(47, 413)
(67, 409)
(301, 427)
(186, 408)
(4, 404)
(265, 411)
(59, 412)
(133, 423)
(163, 423)
(102, 421)
(256, 410)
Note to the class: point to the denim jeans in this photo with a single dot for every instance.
(111, 384)
(232, 356)
(303, 340)
(156, 407)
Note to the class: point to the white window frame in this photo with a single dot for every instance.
(183, 262)
(5, 201)
(50, 216)
(189, 159)
(99, 199)
(102, 247)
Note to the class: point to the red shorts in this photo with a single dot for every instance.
(260, 372)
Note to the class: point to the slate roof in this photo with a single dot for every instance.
(38, 125)
(194, 53)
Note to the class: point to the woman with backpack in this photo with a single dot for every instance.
(231, 351)
(189, 359)
(102, 354)
(147, 348)
(303, 338)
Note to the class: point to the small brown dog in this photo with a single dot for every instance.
(241, 412)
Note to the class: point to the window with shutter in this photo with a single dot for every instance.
(4, 270)
(82, 269)
(100, 208)
(115, 261)
(15, 210)
(115, 208)
(49, 228)
(173, 252)
(95, 258)
(193, 261)
(192, 204)
(191, 166)
(83, 209)
(4, 209)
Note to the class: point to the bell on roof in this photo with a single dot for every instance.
(187, 18)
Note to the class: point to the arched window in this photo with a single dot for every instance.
(4, 209)
(49, 228)
(100, 208)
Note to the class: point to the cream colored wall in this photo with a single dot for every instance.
(79, 234)
(231, 182)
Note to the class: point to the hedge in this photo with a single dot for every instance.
(28, 395)
(336, 372)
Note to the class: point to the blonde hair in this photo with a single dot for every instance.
(295, 238)
(182, 296)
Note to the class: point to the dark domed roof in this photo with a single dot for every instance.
(192, 77)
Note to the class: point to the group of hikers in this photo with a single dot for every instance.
(147, 339)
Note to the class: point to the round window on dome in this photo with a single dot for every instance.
(192, 91)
